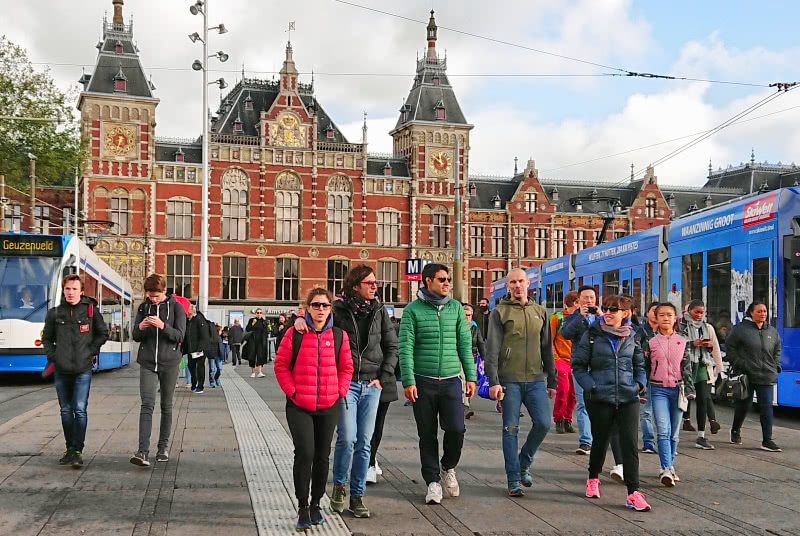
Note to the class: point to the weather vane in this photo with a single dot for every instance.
(289, 31)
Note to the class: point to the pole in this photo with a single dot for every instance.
(458, 264)
(75, 210)
(202, 301)
(3, 202)
(33, 195)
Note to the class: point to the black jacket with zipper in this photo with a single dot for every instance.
(755, 351)
(160, 348)
(378, 359)
(71, 336)
(196, 338)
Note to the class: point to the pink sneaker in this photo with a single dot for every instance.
(593, 488)
(636, 502)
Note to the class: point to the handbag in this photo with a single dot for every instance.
(734, 388)
(683, 402)
(483, 381)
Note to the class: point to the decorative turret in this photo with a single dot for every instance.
(432, 31)
(288, 72)
(117, 20)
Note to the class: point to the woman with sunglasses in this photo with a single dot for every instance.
(609, 365)
(670, 371)
(314, 378)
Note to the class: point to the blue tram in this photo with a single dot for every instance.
(558, 278)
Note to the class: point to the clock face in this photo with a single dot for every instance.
(440, 163)
(120, 140)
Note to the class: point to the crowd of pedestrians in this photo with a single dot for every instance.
(339, 360)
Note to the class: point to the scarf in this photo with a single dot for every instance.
(697, 329)
(360, 307)
(621, 332)
(433, 299)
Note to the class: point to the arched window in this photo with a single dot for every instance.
(339, 192)
(287, 207)
(235, 185)
(120, 210)
(440, 228)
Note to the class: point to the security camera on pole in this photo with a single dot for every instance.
(201, 7)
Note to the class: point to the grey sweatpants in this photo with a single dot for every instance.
(149, 382)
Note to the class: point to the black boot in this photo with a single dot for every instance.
(559, 427)
(303, 519)
(568, 427)
(316, 515)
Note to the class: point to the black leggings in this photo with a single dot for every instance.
(236, 353)
(705, 404)
(197, 367)
(380, 418)
(312, 433)
(625, 418)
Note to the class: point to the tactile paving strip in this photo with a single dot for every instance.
(267, 455)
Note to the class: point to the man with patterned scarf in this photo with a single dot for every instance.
(373, 344)
(706, 366)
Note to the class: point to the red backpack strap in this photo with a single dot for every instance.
(91, 310)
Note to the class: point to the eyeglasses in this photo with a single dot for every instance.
(258, 312)
(320, 305)
(612, 309)
(370, 283)
(443, 279)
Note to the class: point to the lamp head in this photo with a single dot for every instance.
(194, 37)
(222, 56)
(222, 29)
(31, 156)
(197, 65)
(196, 8)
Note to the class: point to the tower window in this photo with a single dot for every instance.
(120, 85)
(440, 113)
(118, 47)
(436, 80)
(329, 132)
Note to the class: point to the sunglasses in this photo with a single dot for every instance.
(320, 305)
(258, 312)
(443, 279)
(612, 309)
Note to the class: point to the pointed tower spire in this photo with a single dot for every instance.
(515, 165)
(631, 171)
(364, 130)
(432, 30)
(709, 168)
(753, 156)
(118, 20)
(288, 72)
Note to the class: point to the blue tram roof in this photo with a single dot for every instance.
(556, 269)
(637, 248)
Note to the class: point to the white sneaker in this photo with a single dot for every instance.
(675, 476)
(378, 469)
(253, 375)
(372, 476)
(667, 478)
(261, 374)
(616, 473)
(233, 366)
(450, 483)
(434, 495)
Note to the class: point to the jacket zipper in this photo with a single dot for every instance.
(527, 341)
(319, 364)
(158, 313)
(358, 341)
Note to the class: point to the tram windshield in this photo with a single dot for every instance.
(791, 282)
(25, 287)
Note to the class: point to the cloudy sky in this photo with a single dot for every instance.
(364, 61)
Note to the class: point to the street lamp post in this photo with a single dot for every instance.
(32, 158)
(458, 255)
(614, 208)
(201, 7)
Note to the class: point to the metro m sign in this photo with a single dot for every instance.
(414, 268)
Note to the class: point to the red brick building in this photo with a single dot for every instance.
(294, 204)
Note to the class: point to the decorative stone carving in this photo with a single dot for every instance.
(339, 183)
(235, 179)
(364, 254)
(288, 181)
(314, 252)
(261, 251)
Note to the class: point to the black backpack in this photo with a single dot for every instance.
(297, 339)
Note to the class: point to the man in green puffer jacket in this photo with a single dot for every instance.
(435, 344)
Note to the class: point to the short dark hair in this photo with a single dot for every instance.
(615, 300)
(587, 287)
(70, 277)
(155, 283)
(752, 307)
(667, 304)
(319, 291)
(430, 271)
(695, 303)
(354, 277)
(571, 297)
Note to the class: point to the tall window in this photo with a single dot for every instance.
(579, 239)
(650, 207)
(476, 240)
(439, 229)
(388, 228)
(234, 214)
(336, 272)
(13, 218)
(619, 234)
(497, 275)
(476, 289)
(559, 242)
(522, 242)
(388, 281)
(287, 279)
(530, 202)
(498, 241)
(718, 289)
(234, 278)
(120, 214)
(179, 275)
(691, 277)
(287, 216)
(41, 220)
(338, 218)
(179, 219)
(540, 243)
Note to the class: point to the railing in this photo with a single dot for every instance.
(167, 140)
(235, 139)
(386, 156)
(340, 147)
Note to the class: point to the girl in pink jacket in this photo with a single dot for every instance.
(313, 382)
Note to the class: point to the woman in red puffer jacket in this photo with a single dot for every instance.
(313, 386)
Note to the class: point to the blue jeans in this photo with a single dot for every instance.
(582, 417)
(214, 376)
(225, 351)
(534, 396)
(646, 421)
(73, 397)
(668, 422)
(356, 424)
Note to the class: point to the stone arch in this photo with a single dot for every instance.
(446, 139)
(438, 137)
(425, 209)
(106, 111)
(126, 114)
(145, 115)
(235, 178)
(95, 111)
(288, 180)
(135, 114)
(138, 193)
(339, 183)
(115, 112)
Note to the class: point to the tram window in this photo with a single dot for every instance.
(559, 294)
(761, 280)
(111, 306)
(610, 282)
(648, 283)
(718, 307)
(692, 278)
(89, 284)
(626, 287)
(597, 292)
(580, 281)
(791, 282)
(24, 287)
(637, 294)
(549, 303)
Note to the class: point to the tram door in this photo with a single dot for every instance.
(761, 268)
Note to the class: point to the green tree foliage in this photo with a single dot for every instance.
(26, 93)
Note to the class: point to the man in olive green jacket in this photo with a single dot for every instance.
(435, 344)
(518, 362)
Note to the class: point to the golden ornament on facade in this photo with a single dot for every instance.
(313, 252)
(440, 163)
(261, 251)
(120, 140)
(288, 132)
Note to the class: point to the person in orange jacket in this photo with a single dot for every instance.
(562, 349)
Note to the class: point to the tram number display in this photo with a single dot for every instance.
(31, 246)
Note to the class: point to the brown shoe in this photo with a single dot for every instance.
(688, 426)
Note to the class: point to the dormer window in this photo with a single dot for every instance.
(405, 111)
(118, 47)
(248, 102)
(496, 201)
(671, 200)
(691, 208)
(237, 124)
(179, 156)
(436, 80)
(120, 81)
(708, 200)
(387, 169)
(440, 111)
(312, 108)
(554, 193)
(329, 132)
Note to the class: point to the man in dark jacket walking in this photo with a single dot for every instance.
(520, 364)
(159, 329)
(256, 348)
(196, 343)
(373, 345)
(235, 339)
(73, 332)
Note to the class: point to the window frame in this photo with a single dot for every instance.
(287, 288)
(231, 281)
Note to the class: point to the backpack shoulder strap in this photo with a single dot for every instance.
(297, 340)
(560, 316)
(338, 337)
